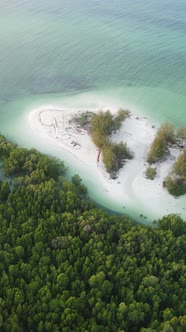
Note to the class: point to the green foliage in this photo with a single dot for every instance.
(121, 116)
(32, 163)
(105, 123)
(5, 190)
(174, 223)
(20, 162)
(102, 123)
(101, 126)
(157, 150)
(122, 152)
(66, 266)
(5, 147)
(180, 165)
(60, 242)
(175, 185)
(100, 140)
(167, 132)
(78, 186)
(176, 181)
(164, 136)
(114, 155)
(181, 133)
(150, 173)
(109, 158)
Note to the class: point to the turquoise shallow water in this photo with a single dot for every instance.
(130, 52)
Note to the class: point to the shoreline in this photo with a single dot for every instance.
(131, 186)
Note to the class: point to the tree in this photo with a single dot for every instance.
(109, 158)
(150, 172)
(181, 133)
(4, 190)
(19, 251)
(103, 123)
(179, 167)
(68, 266)
(159, 146)
(175, 182)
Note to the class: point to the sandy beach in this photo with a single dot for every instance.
(131, 186)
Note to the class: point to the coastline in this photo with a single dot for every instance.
(131, 186)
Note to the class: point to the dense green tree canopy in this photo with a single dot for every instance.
(67, 266)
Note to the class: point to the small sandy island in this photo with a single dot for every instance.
(131, 188)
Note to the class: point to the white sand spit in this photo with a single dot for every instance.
(131, 187)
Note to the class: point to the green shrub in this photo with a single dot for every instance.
(99, 139)
(122, 151)
(166, 131)
(157, 150)
(150, 172)
(176, 181)
(102, 125)
(102, 122)
(181, 133)
(176, 186)
(121, 116)
(180, 165)
(164, 136)
(109, 158)
(114, 156)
